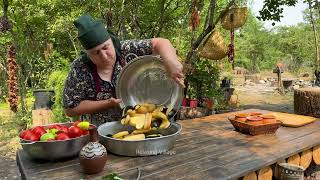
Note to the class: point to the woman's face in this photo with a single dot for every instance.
(103, 55)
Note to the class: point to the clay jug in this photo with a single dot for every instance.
(93, 156)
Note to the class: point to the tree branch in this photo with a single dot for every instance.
(210, 27)
(5, 8)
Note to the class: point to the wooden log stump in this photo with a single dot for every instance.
(307, 101)
(306, 158)
(295, 159)
(265, 173)
(316, 155)
(250, 176)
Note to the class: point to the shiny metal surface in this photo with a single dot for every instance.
(145, 147)
(55, 149)
(144, 79)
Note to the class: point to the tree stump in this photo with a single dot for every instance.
(265, 173)
(307, 101)
(306, 158)
(250, 176)
(295, 159)
(316, 155)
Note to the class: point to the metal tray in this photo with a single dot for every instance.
(54, 150)
(146, 147)
(144, 79)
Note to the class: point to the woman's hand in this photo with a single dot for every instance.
(113, 102)
(174, 69)
(164, 48)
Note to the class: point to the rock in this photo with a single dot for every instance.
(262, 81)
(296, 87)
(305, 75)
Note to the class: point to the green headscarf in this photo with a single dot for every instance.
(92, 33)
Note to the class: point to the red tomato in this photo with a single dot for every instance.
(32, 137)
(23, 133)
(76, 123)
(63, 128)
(54, 126)
(85, 132)
(39, 130)
(62, 136)
(74, 131)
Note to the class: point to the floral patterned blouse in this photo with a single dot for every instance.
(81, 83)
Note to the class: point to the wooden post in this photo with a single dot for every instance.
(250, 176)
(306, 158)
(316, 155)
(265, 173)
(295, 159)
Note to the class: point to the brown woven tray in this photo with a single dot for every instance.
(254, 129)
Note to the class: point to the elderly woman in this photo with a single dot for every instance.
(90, 86)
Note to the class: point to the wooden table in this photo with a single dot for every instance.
(208, 148)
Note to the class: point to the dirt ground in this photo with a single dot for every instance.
(260, 96)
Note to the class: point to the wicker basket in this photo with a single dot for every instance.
(234, 18)
(253, 129)
(213, 47)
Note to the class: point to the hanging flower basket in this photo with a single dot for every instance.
(213, 46)
(234, 18)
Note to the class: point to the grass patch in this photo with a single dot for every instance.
(4, 105)
(9, 133)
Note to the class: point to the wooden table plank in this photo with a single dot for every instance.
(207, 147)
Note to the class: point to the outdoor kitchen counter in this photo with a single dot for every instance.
(208, 148)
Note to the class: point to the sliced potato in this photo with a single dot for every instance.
(120, 134)
(134, 137)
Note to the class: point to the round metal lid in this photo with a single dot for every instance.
(144, 80)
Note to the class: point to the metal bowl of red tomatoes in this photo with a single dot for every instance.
(66, 142)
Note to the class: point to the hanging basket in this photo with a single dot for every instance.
(213, 47)
(234, 18)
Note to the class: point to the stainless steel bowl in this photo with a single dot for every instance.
(146, 147)
(54, 150)
(144, 79)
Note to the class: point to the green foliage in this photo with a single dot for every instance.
(204, 79)
(56, 82)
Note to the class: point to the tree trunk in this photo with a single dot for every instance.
(306, 158)
(307, 101)
(317, 60)
(265, 173)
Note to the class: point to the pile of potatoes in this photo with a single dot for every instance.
(144, 117)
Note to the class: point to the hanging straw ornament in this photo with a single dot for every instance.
(235, 17)
(213, 46)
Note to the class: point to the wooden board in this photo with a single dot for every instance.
(208, 148)
(293, 120)
(41, 117)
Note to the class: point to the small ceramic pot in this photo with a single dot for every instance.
(93, 156)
